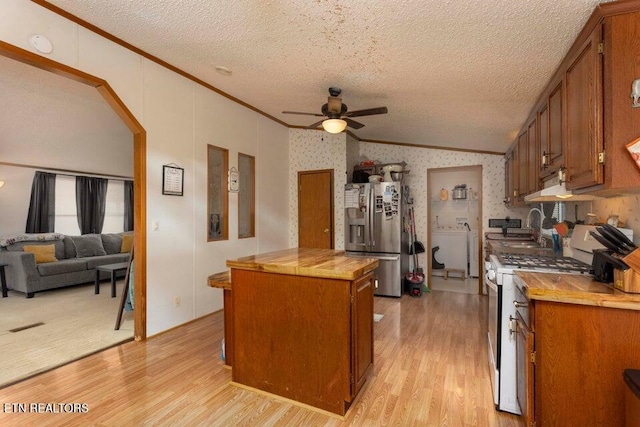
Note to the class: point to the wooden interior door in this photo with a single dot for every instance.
(315, 209)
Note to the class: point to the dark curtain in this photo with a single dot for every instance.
(128, 205)
(91, 198)
(42, 207)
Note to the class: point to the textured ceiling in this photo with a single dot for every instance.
(452, 73)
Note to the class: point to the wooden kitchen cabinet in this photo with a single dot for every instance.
(525, 343)
(621, 120)
(521, 169)
(550, 144)
(303, 325)
(584, 115)
(509, 177)
(362, 332)
(533, 149)
(579, 354)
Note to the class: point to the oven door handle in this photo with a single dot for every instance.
(518, 304)
(490, 283)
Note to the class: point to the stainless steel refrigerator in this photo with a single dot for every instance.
(376, 227)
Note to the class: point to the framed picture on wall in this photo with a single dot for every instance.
(172, 180)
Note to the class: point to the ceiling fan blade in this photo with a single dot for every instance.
(367, 112)
(315, 125)
(352, 123)
(305, 114)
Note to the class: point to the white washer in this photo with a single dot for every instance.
(453, 252)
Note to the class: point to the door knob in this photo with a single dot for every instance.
(326, 230)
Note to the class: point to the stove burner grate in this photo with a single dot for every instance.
(541, 262)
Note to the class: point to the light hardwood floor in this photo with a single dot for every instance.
(430, 369)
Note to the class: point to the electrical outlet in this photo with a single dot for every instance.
(176, 302)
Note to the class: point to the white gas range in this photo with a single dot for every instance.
(501, 269)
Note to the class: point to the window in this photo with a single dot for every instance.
(66, 220)
(114, 211)
(246, 197)
(217, 194)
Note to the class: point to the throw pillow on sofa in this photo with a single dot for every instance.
(127, 242)
(43, 253)
(112, 243)
(88, 245)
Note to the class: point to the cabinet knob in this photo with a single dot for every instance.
(326, 230)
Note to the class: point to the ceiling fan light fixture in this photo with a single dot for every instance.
(334, 125)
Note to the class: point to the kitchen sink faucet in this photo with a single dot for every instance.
(527, 224)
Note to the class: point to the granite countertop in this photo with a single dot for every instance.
(322, 263)
(576, 289)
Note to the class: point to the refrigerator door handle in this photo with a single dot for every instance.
(367, 226)
(372, 224)
(373, 256)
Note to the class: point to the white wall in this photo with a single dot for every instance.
(627, 208)
(180, 118)
(272, 199)
(14, 198)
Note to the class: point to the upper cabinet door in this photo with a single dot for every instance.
(584, 115)
(543, 141)
(551, 145)
(522, 173)
(509, 178)
(533, 149)
(621, 120)
(555, 147)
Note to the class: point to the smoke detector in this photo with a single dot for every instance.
(41, 43)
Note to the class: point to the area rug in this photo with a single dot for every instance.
(56, 327)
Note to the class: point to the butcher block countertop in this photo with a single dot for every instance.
(577, 289)
(220, 280)
(322, 263)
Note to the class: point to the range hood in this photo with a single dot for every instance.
(555, 191)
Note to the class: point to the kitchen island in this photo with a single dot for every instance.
(303, 325)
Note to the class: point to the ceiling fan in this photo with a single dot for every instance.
(338, 115)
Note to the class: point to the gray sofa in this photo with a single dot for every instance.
(78, 257)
